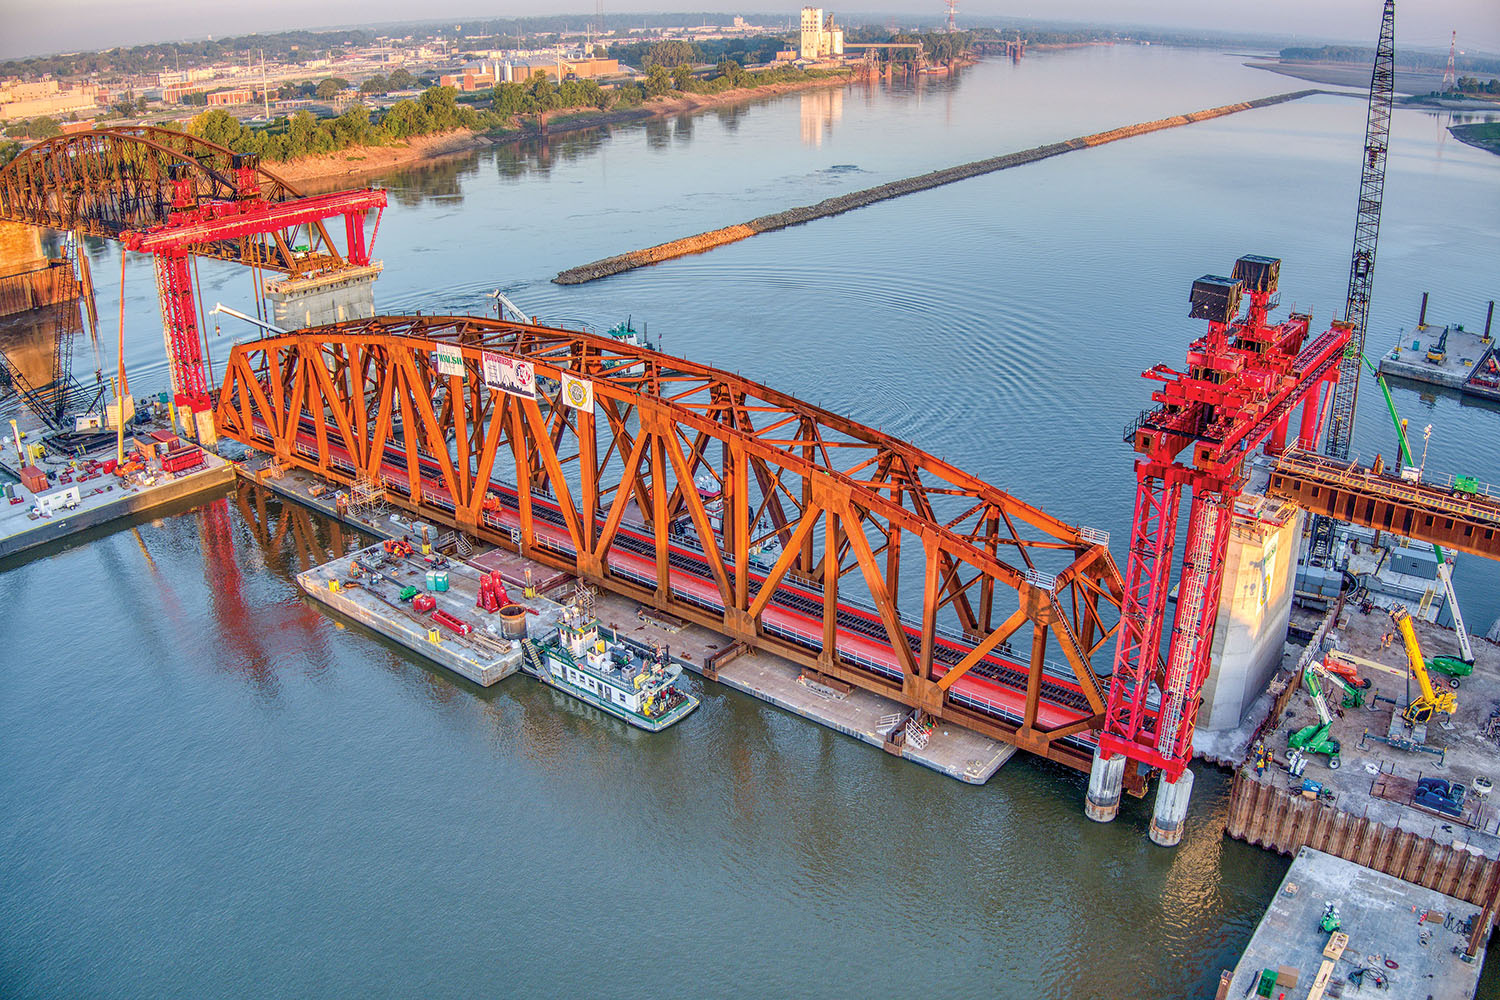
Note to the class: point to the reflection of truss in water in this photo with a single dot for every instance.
(274, 523)
(49, 390)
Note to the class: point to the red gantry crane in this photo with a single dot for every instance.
(245, 220)
(176, 196)
(1243, 380)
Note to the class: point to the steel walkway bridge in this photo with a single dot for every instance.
(717, 499)
(1344, 490)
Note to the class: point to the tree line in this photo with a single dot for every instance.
(1415, 60)
(439, 110)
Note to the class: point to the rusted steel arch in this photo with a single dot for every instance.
(107, 182)
(676, 462)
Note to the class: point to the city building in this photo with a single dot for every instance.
(44, 97)
(223, 98)
(821, 39)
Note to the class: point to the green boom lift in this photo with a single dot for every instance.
(1317, 738)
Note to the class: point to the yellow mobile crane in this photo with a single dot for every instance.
(1429, 701)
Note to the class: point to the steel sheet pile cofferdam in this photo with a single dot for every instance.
(722, 501)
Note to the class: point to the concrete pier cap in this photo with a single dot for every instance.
(1172, 799)
(1106, 782)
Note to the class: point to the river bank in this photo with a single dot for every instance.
(1480, 135)
(355, 163)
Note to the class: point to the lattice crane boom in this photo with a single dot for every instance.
(1362, 260)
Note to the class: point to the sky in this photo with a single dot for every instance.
(31, 27)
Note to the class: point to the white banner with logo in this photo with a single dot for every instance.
(577, 392)
(450, 361)
(510, 375)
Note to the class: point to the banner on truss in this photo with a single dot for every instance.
(510, 375)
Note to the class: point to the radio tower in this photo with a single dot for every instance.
(1450, 75)
(953, 26)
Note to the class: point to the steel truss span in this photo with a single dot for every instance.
(717, 499)
(112, 181)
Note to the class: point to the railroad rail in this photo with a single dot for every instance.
(717, 499)
(1347, 491)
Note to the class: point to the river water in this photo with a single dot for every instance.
(207, 788)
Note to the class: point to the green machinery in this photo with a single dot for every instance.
(1318, 737)
(1463, 664)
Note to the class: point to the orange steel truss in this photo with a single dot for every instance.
(110, 181)
(717, 499)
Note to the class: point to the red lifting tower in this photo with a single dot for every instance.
(261, 233)
(1243, 380)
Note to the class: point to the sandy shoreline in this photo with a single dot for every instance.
(361, 162)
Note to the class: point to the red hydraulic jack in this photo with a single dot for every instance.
(492, 594)
(1244, 379)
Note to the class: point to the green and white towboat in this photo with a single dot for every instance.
(610, 676)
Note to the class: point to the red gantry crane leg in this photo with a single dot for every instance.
(263, 233)
(1243, 380)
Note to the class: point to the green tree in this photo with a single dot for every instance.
(301, 133)
(401, 79)
(542, 94)
(353, 128)
(669, 53)
(657, 81)
(218, 126)
(405, 119)
(375, 85)
(8, 151)
(43, 128)
(509, 100)
(330, 86)
(682, 77)
(731, 71)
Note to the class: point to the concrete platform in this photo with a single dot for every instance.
(1363, 784)
(1389, 923)
(484, 656)
(102, 498)
(951, 750)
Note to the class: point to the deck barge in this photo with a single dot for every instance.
(1391, 932)
(1449, 357)
(79, 495)
(948, 749)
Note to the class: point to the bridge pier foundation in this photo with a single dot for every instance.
(1106, 783)
(1172, 799)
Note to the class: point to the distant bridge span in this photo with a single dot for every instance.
(720, 500)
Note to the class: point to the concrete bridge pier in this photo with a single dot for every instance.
(1106, 782)
(1172, 799)
(347, 294)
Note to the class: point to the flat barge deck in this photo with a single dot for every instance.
(80, 496)
(948, 749)
(1449, 357)
(1395, 938)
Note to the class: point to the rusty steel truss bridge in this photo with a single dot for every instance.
(720, 500)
